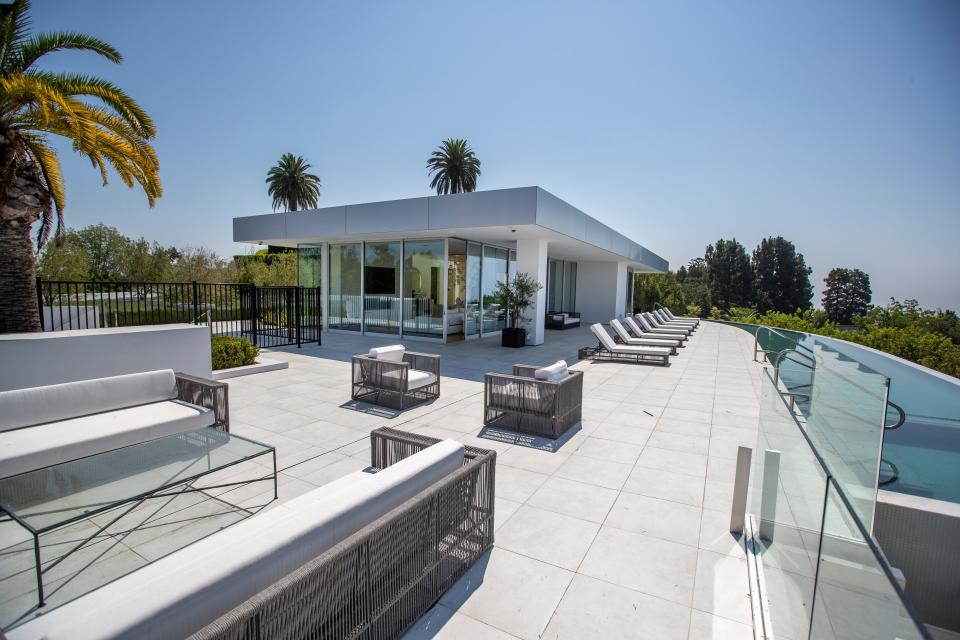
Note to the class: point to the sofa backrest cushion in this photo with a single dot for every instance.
(39, 405)
(556, 371)
(393, 353)
(603, 336)
(181, 593)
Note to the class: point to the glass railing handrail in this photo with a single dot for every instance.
(862, 529)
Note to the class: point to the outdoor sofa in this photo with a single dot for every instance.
(543, 401)
(50, 425)
(607, 349)
(394, 377)
(624, 337)
(362, 557)
(565, 320)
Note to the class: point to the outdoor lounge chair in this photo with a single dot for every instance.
(361, 557)
(670, 316)
(541, 401)
(648, 326)
(565, 320)
(607, 349)
(662, 317)
(626, 338)
(657, 323)
(636, 330)
(394, 377)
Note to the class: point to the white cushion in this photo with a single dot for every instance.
(393, 353)
(181, 593)
(559, 317)
(417, 378)
(555, 371)
(39, 405)
(53, 443)
(603, 336)
(568, 320)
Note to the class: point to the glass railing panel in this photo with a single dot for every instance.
(786, 499)
(856, 593)
(844, 421)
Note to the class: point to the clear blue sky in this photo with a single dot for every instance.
(834, 124)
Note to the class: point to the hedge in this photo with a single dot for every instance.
(228, 352)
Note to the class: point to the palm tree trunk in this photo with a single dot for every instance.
(18, 290)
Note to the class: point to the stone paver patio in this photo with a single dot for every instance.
(617, 530)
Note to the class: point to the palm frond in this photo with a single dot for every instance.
(43, 43)
(81, 85)
(14, 25)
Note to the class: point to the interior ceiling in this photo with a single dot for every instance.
(560, 246)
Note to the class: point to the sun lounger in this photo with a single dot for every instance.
(609, 350)
(626, 338)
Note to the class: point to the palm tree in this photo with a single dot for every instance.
(454, 167)
(291, 186)
(101, 121)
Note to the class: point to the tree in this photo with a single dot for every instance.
(290, 186)
(516, 296)
(145, 262)
(101, 122)
(781, 278)
(64, 261)
(106, 250)
(729, 274)
(454, 167)
(847, 294)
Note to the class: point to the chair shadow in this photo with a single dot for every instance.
(371, 409)
(540, 443)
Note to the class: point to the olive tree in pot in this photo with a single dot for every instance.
(515, 296)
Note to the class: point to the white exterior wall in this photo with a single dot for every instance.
(37, 359)
(601, 290)
(532, 260)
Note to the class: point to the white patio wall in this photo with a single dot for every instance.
(36, 359)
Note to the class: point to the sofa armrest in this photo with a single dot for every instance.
(382, 374)
(423, 362)
(524, 370)
(389, 446)
(210, 394)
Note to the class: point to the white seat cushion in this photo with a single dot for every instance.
(181, 593)
(39, 405)
(415, 378)
(393, 353)
(569, 320)
(53, 443)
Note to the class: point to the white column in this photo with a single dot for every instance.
(325, 284)
(532, 260)
(621, 300)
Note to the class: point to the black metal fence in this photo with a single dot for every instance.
(266, 316)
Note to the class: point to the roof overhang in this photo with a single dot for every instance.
(502, 217)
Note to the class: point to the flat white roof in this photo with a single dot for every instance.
(500, 216)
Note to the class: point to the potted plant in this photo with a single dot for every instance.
(515, 296)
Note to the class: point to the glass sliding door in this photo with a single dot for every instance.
(381, 287)
(456, 288)
(345, 286)
(494, 271)
(423, 288)
(569, 303)
(554, 286)
(472, 306)
(309, 265)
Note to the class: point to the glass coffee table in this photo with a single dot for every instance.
(119, 481)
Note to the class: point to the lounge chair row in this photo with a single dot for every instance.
(651, 336)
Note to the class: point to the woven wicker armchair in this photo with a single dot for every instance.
(379, 581)
(210, 394)
(522, 403)
(389, 384)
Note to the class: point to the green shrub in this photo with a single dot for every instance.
(694, 311)
(230, 352)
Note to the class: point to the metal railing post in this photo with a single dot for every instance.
(40, 303)
(196, 302)
(297, 303)
(253, 313)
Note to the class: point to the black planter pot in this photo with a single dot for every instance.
(513, 337)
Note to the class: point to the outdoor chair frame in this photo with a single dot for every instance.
(209, 394)
(385, 382)
(520, 402)
(378, 582)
